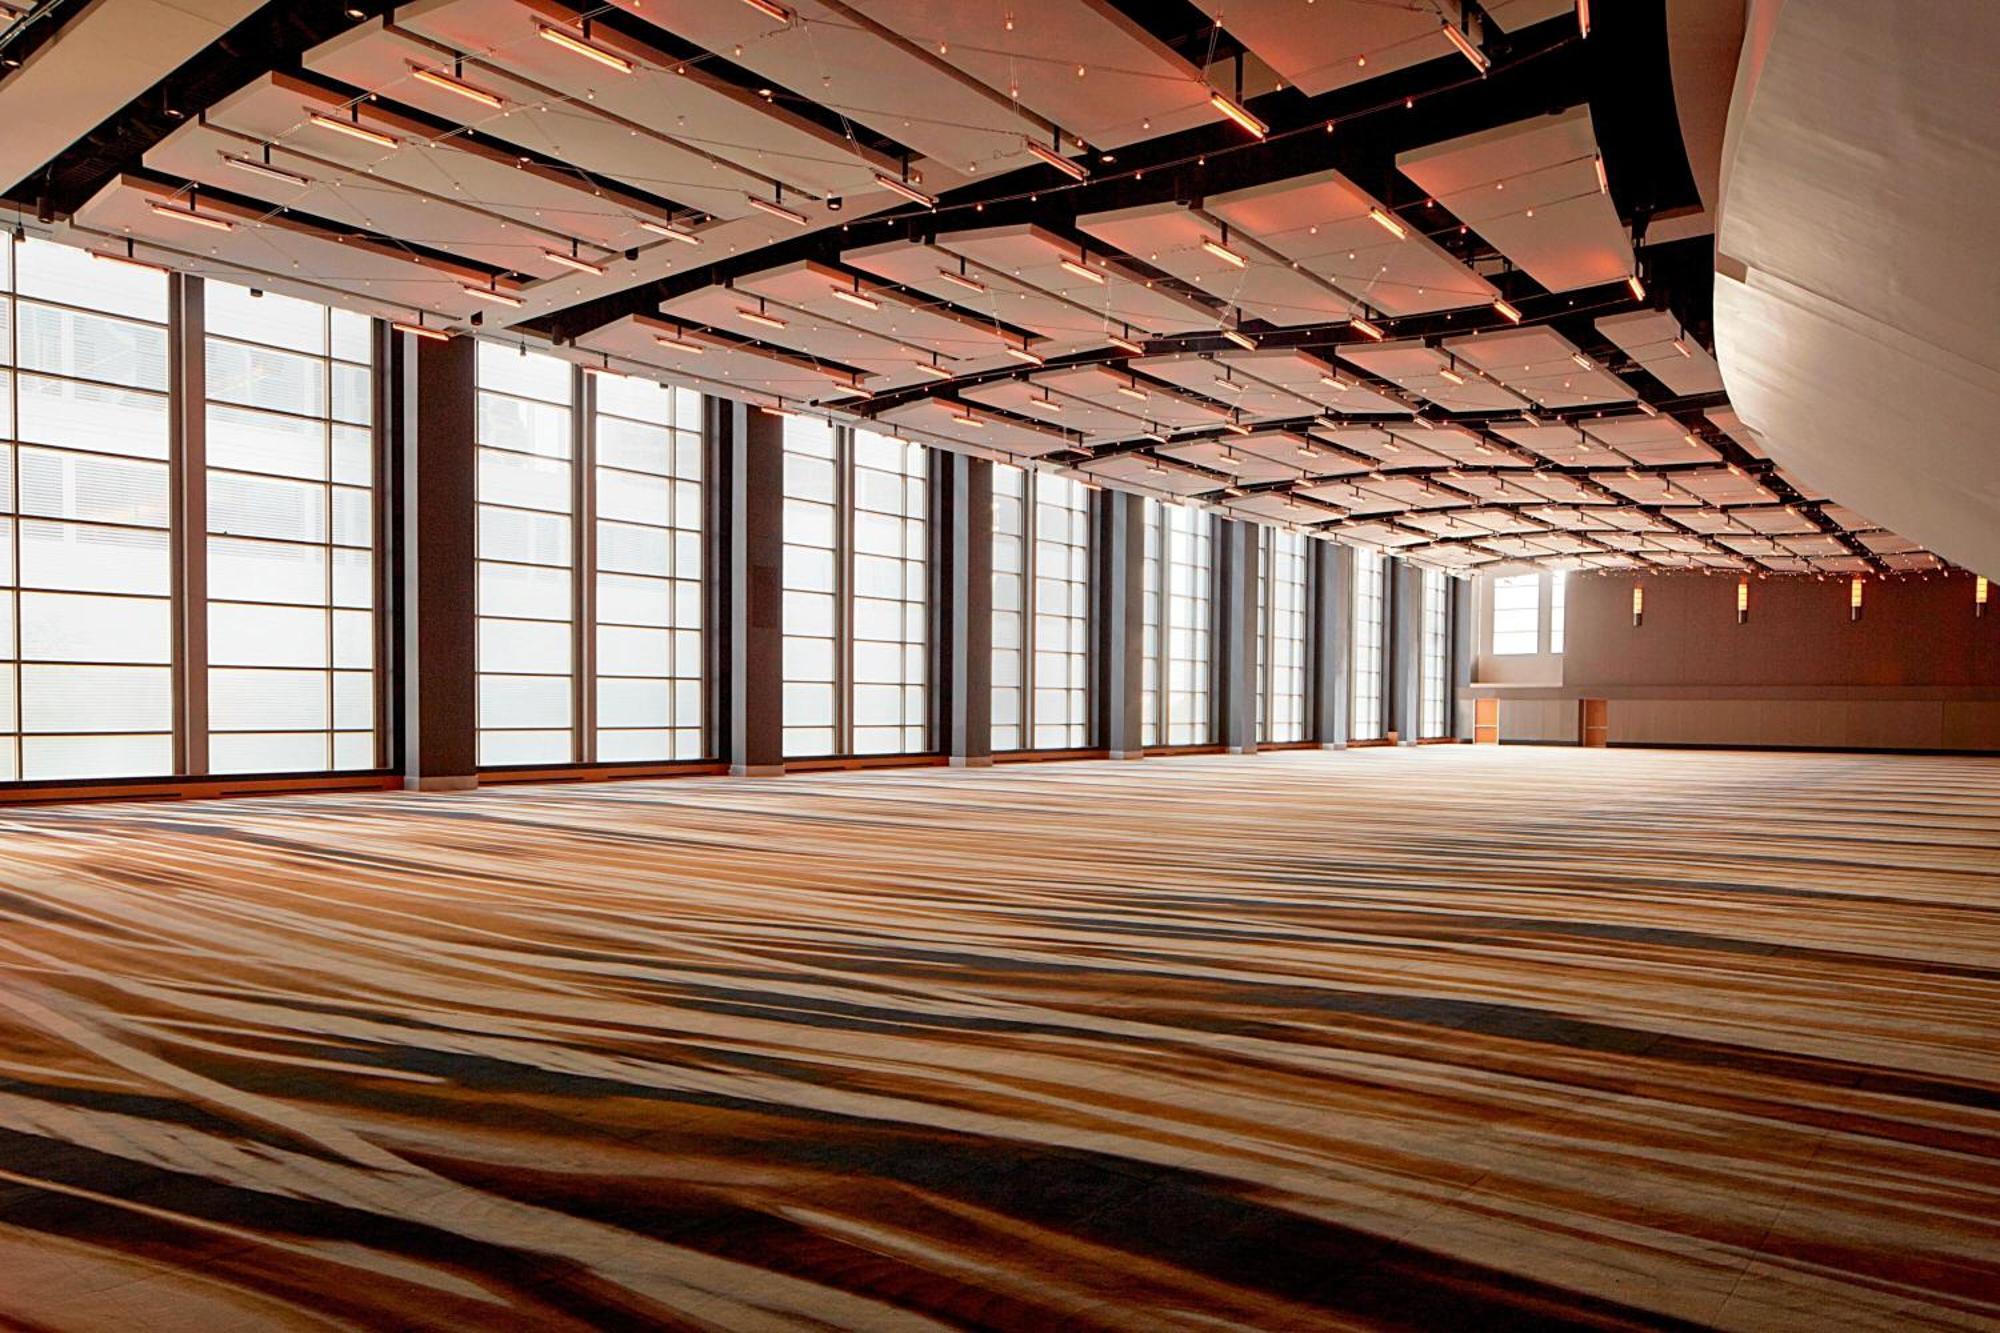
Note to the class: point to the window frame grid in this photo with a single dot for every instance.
(1368, 631)
(1037, 552)
(1433, 686)
(1181, 590)
(1275, 621)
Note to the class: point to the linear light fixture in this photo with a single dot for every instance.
(1582, 362)
(1638, 288)
(777, 409)
(1450, 376)
(1058, 161)
(1235, 427)
(456, 86)
(776, 210)
(1648, 408)
(1366, 329)
(1081, 270)
(1680, 345)
(965, 418)
(130, 258)
(775, 12)
(669, 231)
(420, 330)
(1023, 354)
(1583, 18)
(853, 296)
(963, 281)
(758, 316)
(191, 214)
(1045, 403)
(1238, 113)
(1742, 601)
(1979, 593)
(493, 294)
(1638, 606)
(1387, 223)
(574, 263)
(584, 47)
(1480, 60)
(904, 188)
(1506, 310)
(1240, 338)
(849, 391)
(351, 130)
(1125, 344)
(1854, 598)
(266, 170)
(679, 343)
(1133, 391)
(605, 371)
(1603, 181)
(933, 369)
(1223, 252)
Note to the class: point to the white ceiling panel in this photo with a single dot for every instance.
(1338, 43)
(922, 268)
(804, 333)
(942, 416)
(1656, 341)
(1307, 377)
(1426, 371)
(1322, 222)
(1227, 386)
(739, 370)
(1132, 86)
(1725, 420)
(1171, 238)
(1142, 473)
(1114, 389)
(1540, 364)
(1034, 257)
(1530, 189)
(913, 320)
(1031, 399)
(1249, 459)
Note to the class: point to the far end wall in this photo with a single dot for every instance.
(1918, 670)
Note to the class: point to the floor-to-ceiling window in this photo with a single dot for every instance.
(1433, 681)
(856, 552)
(1517, 614)
(1281, 636)
(646, 499)
(527, 557)
(290, 553)
(1041, 617)
(1558, 587)
(1152, 593)
(1179, 581)
(1365, 723)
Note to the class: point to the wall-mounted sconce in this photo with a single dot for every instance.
(1742, 601)
(1854, 599)
(1638, 606)
(1979, 590)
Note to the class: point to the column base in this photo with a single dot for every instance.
(1333, 745)
(756, 770)
(1125, 754)
(465, 782)
(970, 761)
(1239, 749)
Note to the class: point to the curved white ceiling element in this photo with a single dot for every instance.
(1856, 280)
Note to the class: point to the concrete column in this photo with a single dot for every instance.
(1461, 657)
(1405, 637)
(434, 440)
(1236, 635)
(1117, 623)
(962, 607)
(747, 599)
(1332, 591)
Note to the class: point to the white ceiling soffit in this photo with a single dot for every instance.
(756, 374)
(985, 291)
(1026, 398)
(1531, 190)
(1032, 256)
(1326, 225)
(1656, 341)
(1177, 240)
(1233, 389)
(1540, 364)
(1316, 381)
(1652, 441)
(1339, 41)
(871, 74)
(968, 424)
(1565, 446)
(105, 56)
(1132, 86)
(1855, 322)
(1137, 472)
(809, 336)
(692, 107)
(380, 59)
(901, 317)
(1265, 456)
(1725, 420)
(1704, 41)
(1426, 371)
(259, 240)
(1124, 392)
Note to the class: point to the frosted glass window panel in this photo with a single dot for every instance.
(353, 516)
(808, 704)
(248, 506)
(808, 523)
(66, 275)
(1516, 614)
(92, 417)
(353, 639)
(88, 699)
(524, 592)
(629, 549)
(625, 702)
(526, 646)
(1367, 639)
(56, 758)
(634, 497)
(77, 557)
(523, 481)
(809, 660)
(1434, 675)
(628, 651)
(810, 569)
(634, 446)
(266, 377)
(1558, 590)
(524, 426)
(353, 394)
(70, 627)
(618, 745)
(263, 571)
(498, 749)
(517, 702)
(353, 700)
(351, 335)
(270, 319)
(58, 484)
(79, 345)
(519, 371)
(353, 456)
(243, 440)
(809, 478)
(10, 720)
(354, 750)
(256, 700)
(353, 578)
(524, 536)
(626, 599)
(276, 636)
(297, 752)
(642, 400)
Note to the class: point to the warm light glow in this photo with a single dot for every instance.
(1680, 345)
(605, 372)
(1603, 181)
(1045, 404)
(1223, 252)
(1058, 161)
(419, 331)
(1638, 288)
(1742, 600)
(1582, 362)
(776, 210)
(957, 279)
(751, 316)
(1583, 18)
(1505, 309)
(967, 419)
(1084, 271)
(1979, 595)
(1132, 391)
(1387, 223)
(1365, 329)
(1124, 344)
(1450, 376)
(907, 190)
(1479, 59)
(778, 13)
(1638, 605)
(1241, 339)
(191, 215)
(350, 129)
(775, 411)
(573, 263)
(1023, 354)
(458, 87)
(1854, 599)
(588, 50)
(266, 170)
(1236, 427)
(1238, 114)
(672, 233)
(492, 294)
(936, 372)
(678, 344)
(855, 298)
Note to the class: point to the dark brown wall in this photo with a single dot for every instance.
(1911, 633)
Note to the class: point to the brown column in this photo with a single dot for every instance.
(748, 512)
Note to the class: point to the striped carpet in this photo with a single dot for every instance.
(1456, 1038)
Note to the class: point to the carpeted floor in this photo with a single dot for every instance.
(1455, 1038)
